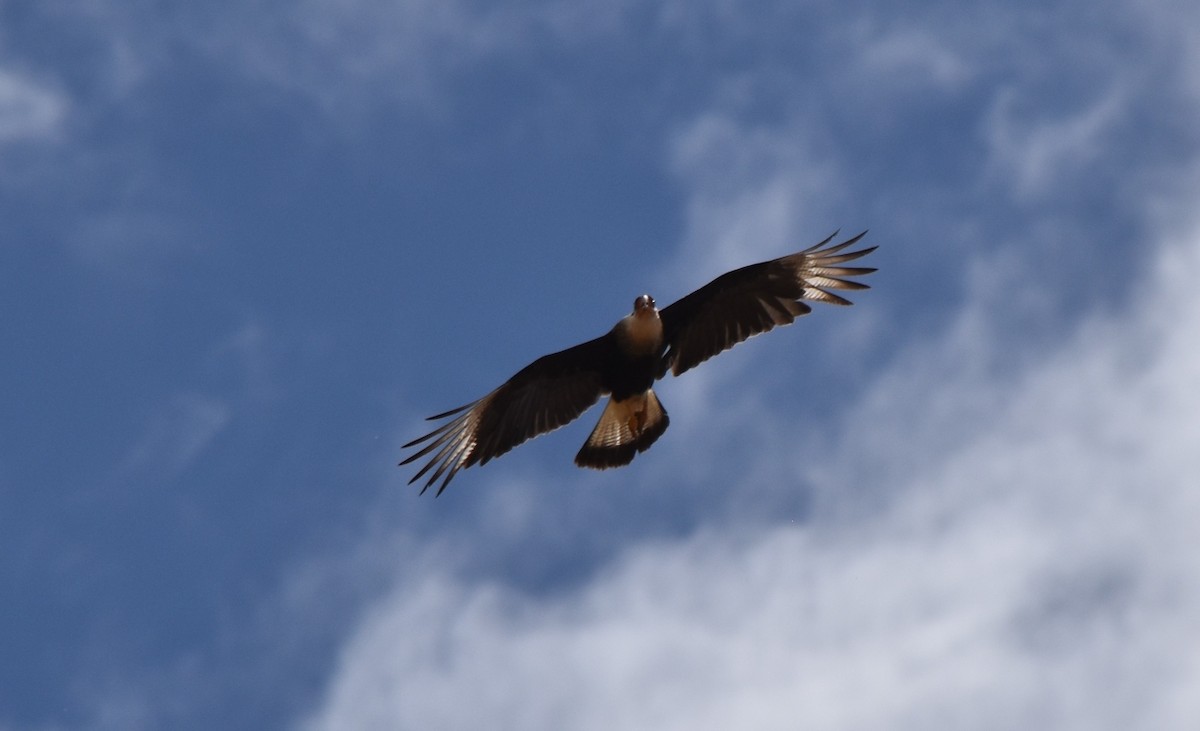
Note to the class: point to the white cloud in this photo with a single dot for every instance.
(1000, 540)
(1035, 153)
(344, 53)
(341, 55)
(991, 549)
(176, 436)
(914, 57)
(29, 110)
(748, 188)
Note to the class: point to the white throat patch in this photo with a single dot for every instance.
(641, 334)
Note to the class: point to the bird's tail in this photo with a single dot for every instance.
(625, 428)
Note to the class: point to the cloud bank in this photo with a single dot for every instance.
(1001, 529)
(1015, 551)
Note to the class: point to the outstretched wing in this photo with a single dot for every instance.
(754, 299)
(544, 395)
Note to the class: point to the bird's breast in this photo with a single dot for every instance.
(640, 334)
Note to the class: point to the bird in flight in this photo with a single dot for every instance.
(625, 362)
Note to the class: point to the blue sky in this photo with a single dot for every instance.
(246, 247)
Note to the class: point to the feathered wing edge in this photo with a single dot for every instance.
(818, 269)
(453, 441)
(755, 299)
(548, 393)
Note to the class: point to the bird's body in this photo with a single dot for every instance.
(625, 362)
(634, 417)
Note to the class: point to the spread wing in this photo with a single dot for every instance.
(544, 395)
(754, 299)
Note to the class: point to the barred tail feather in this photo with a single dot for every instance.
(625, 428)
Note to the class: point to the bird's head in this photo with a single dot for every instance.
(643, 305)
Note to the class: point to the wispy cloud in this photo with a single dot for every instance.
(349, 55)
(29, 110)
(176, 436)
(335, 52)
(749, 186)
(914, 57)
(1035, 153)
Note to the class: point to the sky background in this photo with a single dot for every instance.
(246, 247)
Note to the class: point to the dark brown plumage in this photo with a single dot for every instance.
(624, 363)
